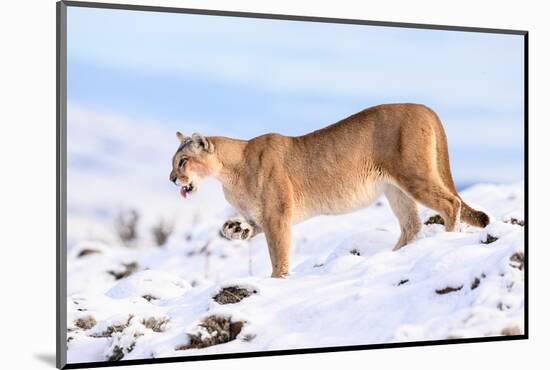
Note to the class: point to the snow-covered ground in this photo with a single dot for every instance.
(346, 286)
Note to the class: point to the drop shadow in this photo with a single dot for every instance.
(47, 358)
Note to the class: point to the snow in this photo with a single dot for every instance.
(149, 283)
(346, 287)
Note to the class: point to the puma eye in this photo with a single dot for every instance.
(181, 163)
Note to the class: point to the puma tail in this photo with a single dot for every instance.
(472, 216)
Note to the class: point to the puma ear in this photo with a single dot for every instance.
(203, 142)
(180, 136)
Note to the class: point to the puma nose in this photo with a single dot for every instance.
(173, 177)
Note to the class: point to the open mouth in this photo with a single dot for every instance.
(186, 189)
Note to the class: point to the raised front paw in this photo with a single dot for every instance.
(236, 229)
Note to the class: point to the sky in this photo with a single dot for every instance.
(135, 72)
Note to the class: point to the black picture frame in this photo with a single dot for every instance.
(61, 175)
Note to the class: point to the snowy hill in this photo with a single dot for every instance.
(346, 286)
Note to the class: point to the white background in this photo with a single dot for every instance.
(27, 192)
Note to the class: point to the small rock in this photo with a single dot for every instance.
(517, 260)
(117, 354)
(157, 325)
(115, 328)
(516, 221)
(232, 295)
(129, 269)
(86, 322)
(88, 251)
(448, 290)
(355, 252)
(219, 330)
(490, 239)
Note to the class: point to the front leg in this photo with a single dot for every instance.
(238, 229)
(278, 233)
(277, 225)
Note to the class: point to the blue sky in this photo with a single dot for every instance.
(243, 77)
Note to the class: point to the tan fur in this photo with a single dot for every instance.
(275, 181)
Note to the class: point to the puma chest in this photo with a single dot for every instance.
(243, 202)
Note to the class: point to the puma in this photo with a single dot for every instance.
(275, 181)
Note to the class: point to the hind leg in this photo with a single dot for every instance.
(406, 211)
(433, 194)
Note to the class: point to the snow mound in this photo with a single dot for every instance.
(149, 284)
(496, 230)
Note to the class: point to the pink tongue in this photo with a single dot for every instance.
(183, 192)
